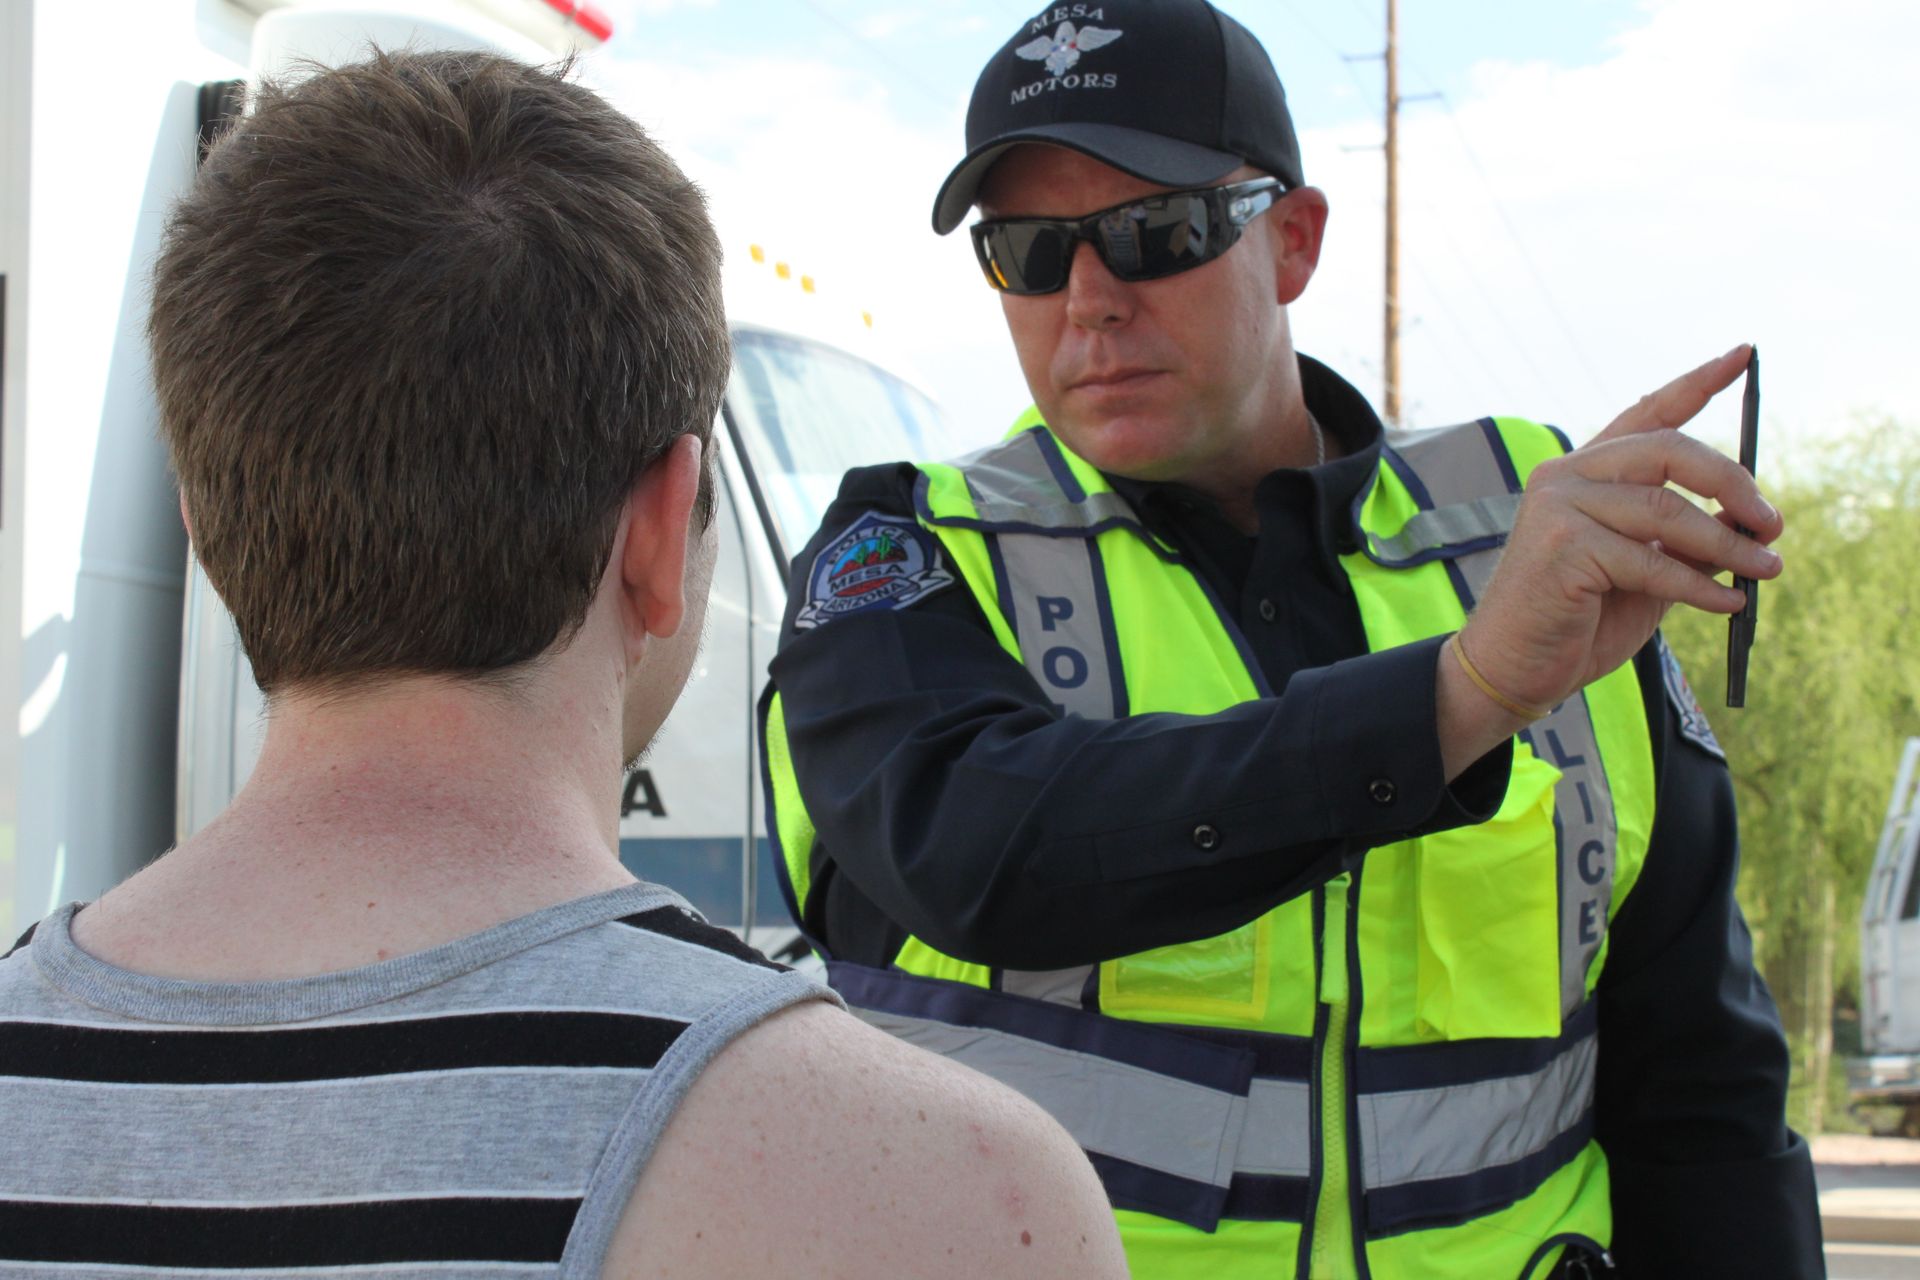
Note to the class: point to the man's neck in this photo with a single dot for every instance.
(376, 825)
(1296, 440)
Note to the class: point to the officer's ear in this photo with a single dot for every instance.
(1297, 223)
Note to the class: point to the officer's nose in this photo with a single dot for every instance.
(1096, 299)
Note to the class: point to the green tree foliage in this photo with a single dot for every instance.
(1833, 692)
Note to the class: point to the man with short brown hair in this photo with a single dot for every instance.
(439, 344)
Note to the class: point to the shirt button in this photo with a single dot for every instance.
(1206, 837)
(1381, 790)
(1267, 611)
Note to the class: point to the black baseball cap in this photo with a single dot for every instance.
(1171, 91)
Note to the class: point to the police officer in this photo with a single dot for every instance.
(1314, 825)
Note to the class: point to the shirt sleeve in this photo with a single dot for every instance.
(957, 798)
(1692, 1080)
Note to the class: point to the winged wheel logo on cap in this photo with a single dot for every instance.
(1063, 48)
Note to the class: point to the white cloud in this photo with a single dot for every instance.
(1732, 169)
(1736, 169)
(810, 161)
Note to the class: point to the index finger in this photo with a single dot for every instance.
(1675, 404)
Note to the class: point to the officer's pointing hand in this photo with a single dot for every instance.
(1601, 547)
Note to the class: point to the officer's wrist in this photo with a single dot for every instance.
(1468, 720)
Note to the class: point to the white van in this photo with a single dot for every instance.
(1889, 1070)
(137, 730)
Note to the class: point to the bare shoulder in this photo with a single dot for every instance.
(815, 1146)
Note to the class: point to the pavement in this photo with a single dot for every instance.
(1869, 1205)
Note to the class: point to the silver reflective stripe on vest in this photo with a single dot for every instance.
(1058, 625)
(1459, 470)
(1449, 526)
(1013, 484)
(1118, 1110)
(1279, 1134)
(1415, 1135)
(1207, 1135)
(1588, 835)
(1062, 641)
(1463, 478)
(1055, 986)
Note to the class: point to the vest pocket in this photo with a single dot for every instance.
(1473, 980)
(1222, 977)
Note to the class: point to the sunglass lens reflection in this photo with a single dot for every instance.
(1038, 257)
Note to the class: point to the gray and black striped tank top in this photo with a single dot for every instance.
(482, 1109)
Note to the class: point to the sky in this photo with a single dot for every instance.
(1596, 194)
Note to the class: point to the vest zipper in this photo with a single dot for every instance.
(1332, 1225)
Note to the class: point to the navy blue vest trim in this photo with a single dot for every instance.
(1232, 627)
(1275, 1057)
(1316, 1134)
(1435, 1066)
(1497, 443)
(1002, 584)
(1416, 489)
(1062, 473)
(1103, 601)
(1261, 1197)
(924, 511)
(1566, 445)
(1137, 1044)
(1165, 1195)
(1424, 502)
(1441, 1202)
(1423, 499)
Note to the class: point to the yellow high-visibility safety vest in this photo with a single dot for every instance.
(1396, 1067)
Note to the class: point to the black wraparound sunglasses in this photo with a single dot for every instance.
(1159, 235)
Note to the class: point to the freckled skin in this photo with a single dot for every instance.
(957, 1179)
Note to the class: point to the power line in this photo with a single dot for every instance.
(879, 53)
(1457, 329)
(1498, 312)
(1520, 247)
(1329, 45)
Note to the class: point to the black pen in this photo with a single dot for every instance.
(1740, 626)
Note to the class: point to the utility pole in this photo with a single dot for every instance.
(1391, 362)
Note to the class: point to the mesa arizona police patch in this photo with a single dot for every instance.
(880, 562)
(1686, 705)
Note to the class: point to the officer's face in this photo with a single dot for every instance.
(1181, 378)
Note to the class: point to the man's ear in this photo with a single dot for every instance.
(1298, 223)
(186, 519)
(653, 549)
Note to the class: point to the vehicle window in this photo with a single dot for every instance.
(807, 413)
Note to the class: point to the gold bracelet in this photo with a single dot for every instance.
(1520, 709)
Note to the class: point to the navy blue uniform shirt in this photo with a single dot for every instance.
(955, 802)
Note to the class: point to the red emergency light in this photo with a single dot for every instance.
(587, 17)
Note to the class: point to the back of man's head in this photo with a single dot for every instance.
(417, 329)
